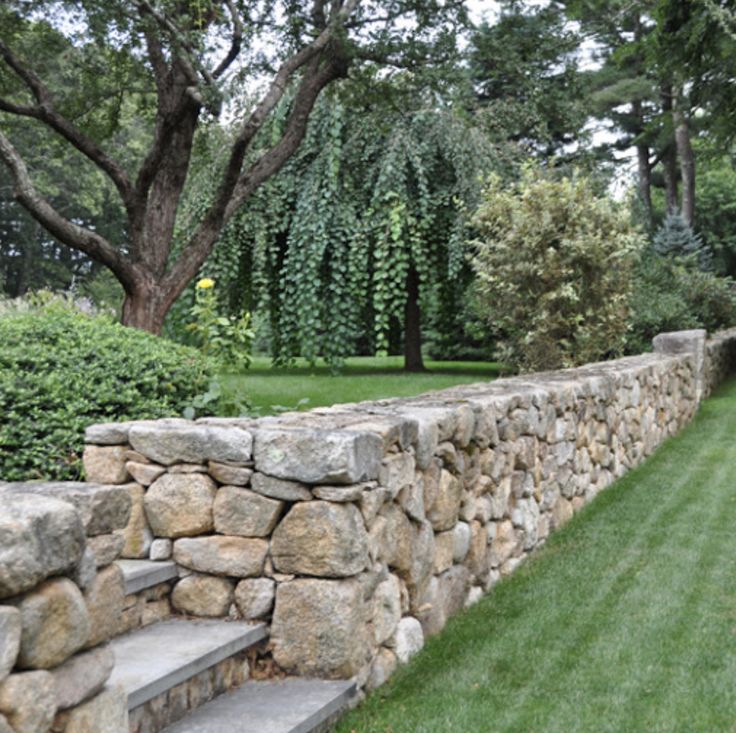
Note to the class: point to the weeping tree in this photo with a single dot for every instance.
(69, 68)
(361, 231)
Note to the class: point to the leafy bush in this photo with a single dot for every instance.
(554, 266)
(669, 296)
(61, 370)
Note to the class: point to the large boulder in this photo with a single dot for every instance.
(319, 628)
(28, 701)
(319, 456)
(180, 505)
(10, 628)
(243, 512)
(321, 538)
(168, 442)
(237, 557)
(39, 537)
(203, 595)
(54, 622)
(82, 676)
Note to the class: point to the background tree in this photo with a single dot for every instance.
(166, 58)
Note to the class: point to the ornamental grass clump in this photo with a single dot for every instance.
(62, 370)
(554, 265)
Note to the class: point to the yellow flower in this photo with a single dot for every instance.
(205, 283)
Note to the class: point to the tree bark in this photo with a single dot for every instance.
(669, 157)
(687, 160)
(644, 165)
(413, 360)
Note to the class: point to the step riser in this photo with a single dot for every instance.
(177, 702)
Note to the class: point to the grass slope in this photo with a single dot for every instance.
(624, 622)
(363, 378)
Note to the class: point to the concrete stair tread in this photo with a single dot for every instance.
(283, 706)
(141, 574)
(152, 660)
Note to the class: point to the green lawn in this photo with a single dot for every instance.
(363, 378)
(625, 622)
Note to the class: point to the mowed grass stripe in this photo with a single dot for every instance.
(624, 621)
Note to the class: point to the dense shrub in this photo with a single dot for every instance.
(554, 265)
(61, 370)
(669, 296)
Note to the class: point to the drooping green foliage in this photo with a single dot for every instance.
(554, 264)
(327, 246)
(62, 370)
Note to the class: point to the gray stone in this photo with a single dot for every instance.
(86, 570)
(237, 557)
(105, 599)
(183, 442)
(180, 505)
(319, 628)
(319, 456)
(105, 464)
(408, 639)
(396, 472)
(444, 550)
(137, 535)
(339, 494)
(384, 665)
(110, 433)
(386, 609)
(28, 701)
(254, 597)
(444, 512)
(54, 623)
(101, 508)
(10, 629)
(39, 537)
(4, 725)
(411, 499)
(243, 512)
(82, 676)
(161, 549)
(279, 489)
(107, 711)
(372, 500)
(144, 473)
(321, 538)
(106, 548)
(203, 595)
(224, 473)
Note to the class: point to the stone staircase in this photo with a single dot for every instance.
(184, 675)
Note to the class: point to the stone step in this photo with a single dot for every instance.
(152, 660)
(142, 574)
(285, 706)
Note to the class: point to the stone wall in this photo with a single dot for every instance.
(357, 530)
(61, 598)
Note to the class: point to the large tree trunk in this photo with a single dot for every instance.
(644, 165)
(143, 309)
(687, 161)
(669, 158)
(413, 361)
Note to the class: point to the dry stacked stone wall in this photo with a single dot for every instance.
(356, 531)
(61, 599)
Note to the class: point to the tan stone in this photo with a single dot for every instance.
(105, 464)
(10, 631)
(180, 505)
(243, 512)
(106, 548)
(105, 599)
(321, 538)
(444, 549)
(28, 701)
(399, 538)
(319, 628)
(504, 544)
(137, 534)
(396, 472)
(254, 597)
(224, 473)
(478, 559)
(82, 676)
(203, 595)
(107, 711)
(238, 557)
(444, 512)
(383, 666)
(144, 473)
(54, 622)
(386, 609)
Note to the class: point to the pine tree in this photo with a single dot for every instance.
(676, 240)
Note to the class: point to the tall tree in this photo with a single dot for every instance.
(168, 58)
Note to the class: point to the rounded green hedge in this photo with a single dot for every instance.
(62, 370)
